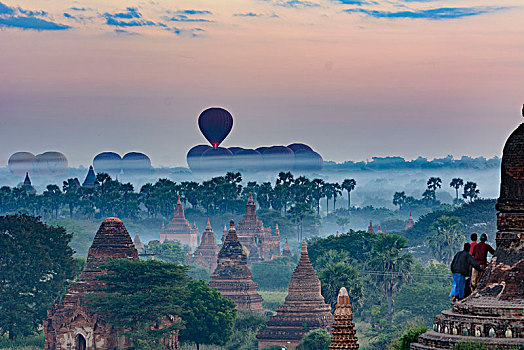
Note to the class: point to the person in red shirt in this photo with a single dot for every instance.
(473, 243)
(480, 253)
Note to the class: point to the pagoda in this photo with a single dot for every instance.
(179, 229)
(343, 335)
(370, 227)
(27, 184)
(232, 277)
(287, 251)
(410, 223)
(304, 309)
(90, 179)
(138, 243)
(69, 324)
(206, 253)
(494, 313)
(261, 244)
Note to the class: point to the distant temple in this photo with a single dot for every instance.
(260, 243)
(207, 252)
(90, 178)
(179, 229)
(69, 324)
(27, 184)
(287, 251)
(138, 243)
(379, 229)
(343, 335)
(410, 223)
(494, 314)
(232, 277)
(304, 309)
(370, 227)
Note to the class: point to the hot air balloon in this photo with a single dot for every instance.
(216, 159)
(21, 163)
(235, 150)
(108, 162)
(278, 158)
(215, 124)
(50, 163)
(193, 157)
(248, 160)
(135, 163)
(299, 147)
(308, 161)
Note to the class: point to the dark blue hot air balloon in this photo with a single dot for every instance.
(193, 157)
(215, 124)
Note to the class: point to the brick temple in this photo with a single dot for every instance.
(138, 243)
(286, 251)
(179, 229)
(304, 309)
(494, 313)
(260, 242)
(343, 335)
(69, 324)
(207, 252)
(232, 276)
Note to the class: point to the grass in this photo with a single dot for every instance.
(32, 342)
(272, 298)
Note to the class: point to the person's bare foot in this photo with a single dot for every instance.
(454, 298)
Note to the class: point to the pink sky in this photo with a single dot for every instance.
(353, 81)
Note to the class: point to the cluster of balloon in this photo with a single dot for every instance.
(216, 123)
(46, 164)
(133, 163)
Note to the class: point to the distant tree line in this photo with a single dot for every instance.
(292, 196)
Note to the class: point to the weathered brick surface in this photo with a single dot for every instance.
(343, 335)
(69, 320)
(304, 309)
(232, 276)
(207, 252)
(260, 242)
(494, 313)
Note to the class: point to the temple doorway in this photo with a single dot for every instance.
(80, 342)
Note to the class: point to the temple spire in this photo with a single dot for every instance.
(370, 227)
(343, 335)
(27, 180)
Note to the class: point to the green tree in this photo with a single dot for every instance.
(137, 295)
(297, 214)
(337, 275)
(456, 183)
(349, 185)
(434, 183)
(169, 251)
(445, 238)
(71, 195)
(317, 339)
(264, 193)
(209, 317)
(337, 191)
(53, 197)
(399, 198)
(35, 265)
(274, 274)
(317, 192)
(471, 191)
(390, 266)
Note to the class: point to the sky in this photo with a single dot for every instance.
(352, 78)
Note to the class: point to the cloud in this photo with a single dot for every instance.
(248, 14)
(131, 17)
(295, 3)
(192, 32)
(11, 17)
(193, 12)
(431, 14)
(352, 2)
(124, 32)
(184, 18)
(24, 22)
(78, 8)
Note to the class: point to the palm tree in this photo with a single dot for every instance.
(399, 198)
(456, 183)
(434, 183)
(318, 191)
(328, 192)
(349, 185)
(445, 237)
(337, 275)
(470, 191)
(391, 267)
(297, 213)
(337, 191)
(71, 195)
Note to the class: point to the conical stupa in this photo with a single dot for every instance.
(69, 324)
(90, 178)
(343, 335)
(494, 313)
(179, 229)
(286, 251)
(207, 252)
(304, 309)
(232, 276)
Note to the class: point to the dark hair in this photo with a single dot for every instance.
(467, 246)
(474, 237)
(483, 237)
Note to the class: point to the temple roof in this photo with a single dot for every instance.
(208, 237)
(27, 180)
(90, 178)
(343, 335)
(232, 258)
(370, 227)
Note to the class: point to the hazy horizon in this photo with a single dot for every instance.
(353, 79)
